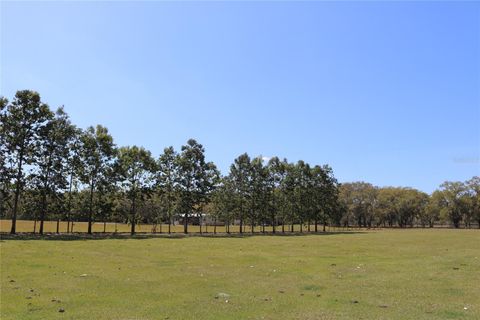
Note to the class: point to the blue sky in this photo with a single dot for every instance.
(384, 92)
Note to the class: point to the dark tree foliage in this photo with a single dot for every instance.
(22, 123)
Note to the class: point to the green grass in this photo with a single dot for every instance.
(390, 274)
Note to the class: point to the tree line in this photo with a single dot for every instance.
(52, 170)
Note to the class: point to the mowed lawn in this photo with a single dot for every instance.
(385, 274)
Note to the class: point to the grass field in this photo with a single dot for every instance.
(386, 274)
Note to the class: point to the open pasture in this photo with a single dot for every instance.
(385, 274)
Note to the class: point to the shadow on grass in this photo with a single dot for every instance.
(141, 236)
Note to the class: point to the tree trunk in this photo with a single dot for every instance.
(241, 225)
(169, 213)
(252, 225)
(215, 226)
(104, 226)
(17, 193)
(90, 210)
(58, 225)
(273, 223)
(42, 213)
(35, 226)
(134, 213)
(316, 225)
(185, 223)
(69, 206)
(44, 198)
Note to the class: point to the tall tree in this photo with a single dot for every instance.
(224, 203)
(50, 176)
(277, 174)
(288, 189)
(74, 169)
(135, 167)
(22, 121)
(240, 177)
(6, 170)
(330, 191)
(321, 194)
(301, 192)
(197, 179)
(258, 192)
(97, 151)
(167, 180)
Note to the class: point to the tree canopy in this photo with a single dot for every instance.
(52, 170)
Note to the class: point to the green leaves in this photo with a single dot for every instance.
(44, 152)
(96, 152)
(196, 179)
(135, 169)
(22, 121)
(280, 190)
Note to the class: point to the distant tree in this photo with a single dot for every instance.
(257, 181)
(50, 176)
(387, 206)
(97, 151)
(6, 170)
(331, 191)
(433, 210)
(324, 196)
(21, 124)
(360, 200)
(167, 181)
(454, 201)
(224, 203)
(239, 175)
(302, 190)
(411, 204)
(277, 174)
(135, 167)
(73, 169)
(474, 198)
(106, 196)
(197, 179)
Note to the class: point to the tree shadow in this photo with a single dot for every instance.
(142, 236)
